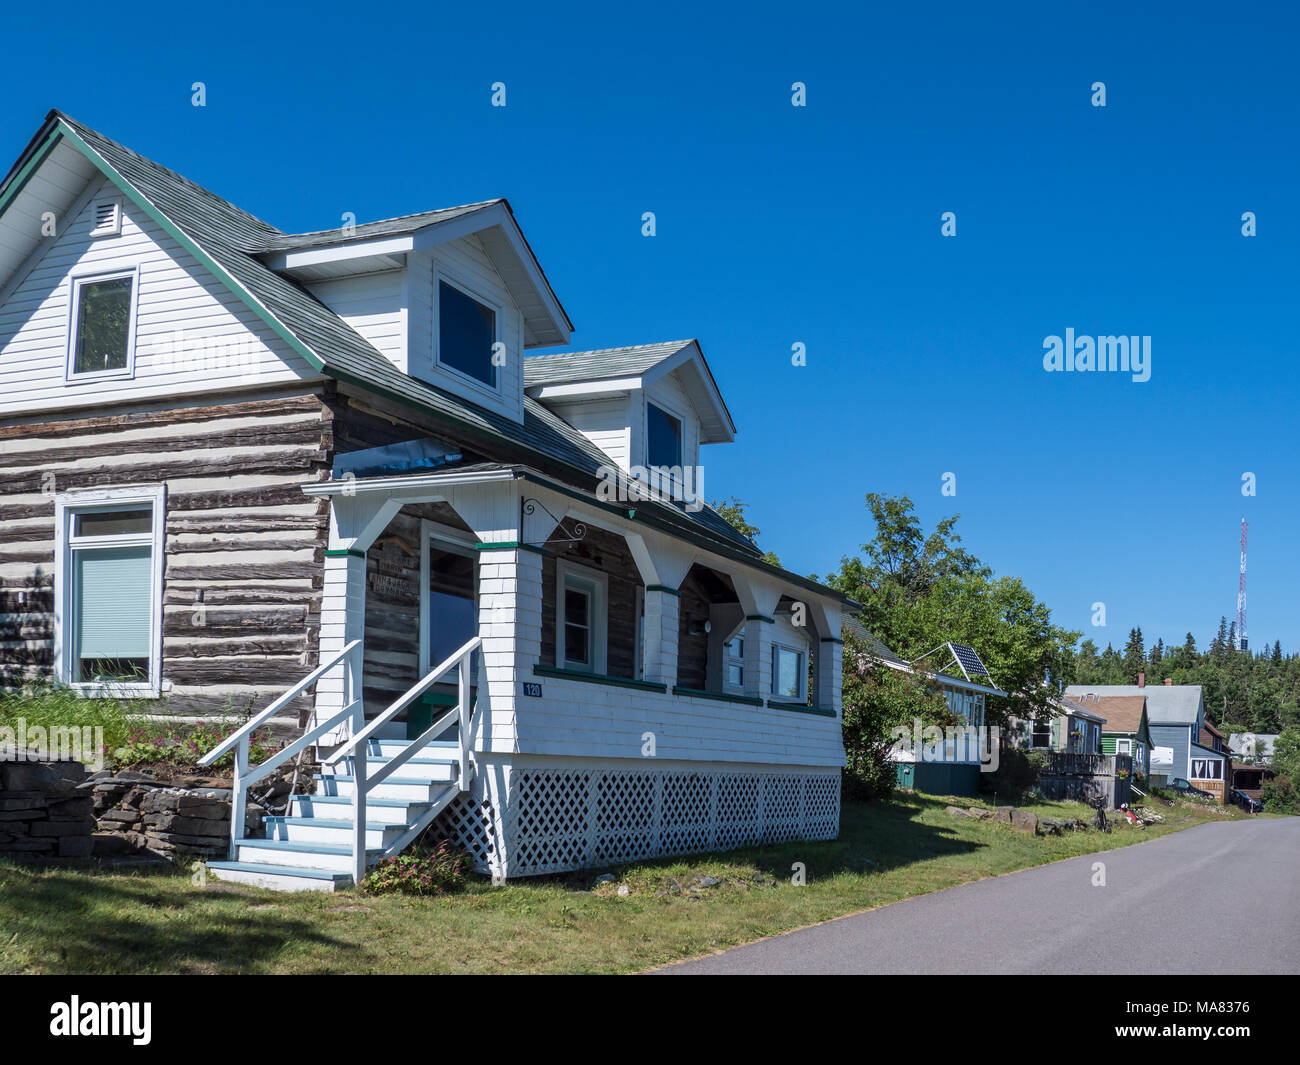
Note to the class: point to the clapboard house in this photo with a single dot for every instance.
(312, 482)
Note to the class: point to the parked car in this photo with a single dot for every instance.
(1251, 806)
(1184, 788)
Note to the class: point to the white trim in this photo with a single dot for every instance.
(442, 276)
(414, 481)
(802, 652)
(76, 281)
(599, 626)
(672, 412)
(66, 504)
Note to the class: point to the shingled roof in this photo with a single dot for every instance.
(227, 241)
(604, 363)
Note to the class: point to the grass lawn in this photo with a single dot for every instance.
(99, 921)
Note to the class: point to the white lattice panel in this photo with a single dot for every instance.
(562, 818)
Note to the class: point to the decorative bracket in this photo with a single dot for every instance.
(578, 532)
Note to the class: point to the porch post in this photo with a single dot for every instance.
(830, 678)
(510, 625)
(659, 650)
(758, 598)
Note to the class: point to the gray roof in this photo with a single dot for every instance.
(388, 227)
(567, 366)
(1167, 704)
(232, 238)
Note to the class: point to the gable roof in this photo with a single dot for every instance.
(386, 227)
(1075, 709)
(226, 240)
(567, 372)
(1167, 704)
(1123, 713)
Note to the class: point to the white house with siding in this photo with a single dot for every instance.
(314, 483)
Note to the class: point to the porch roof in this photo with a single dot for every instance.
(656, 514)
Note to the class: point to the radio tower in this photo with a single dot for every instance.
(1242, 643)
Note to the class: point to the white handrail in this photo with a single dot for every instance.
(429, 679)
(311, 678)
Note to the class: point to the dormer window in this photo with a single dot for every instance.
(106, 220)
(663, 437)
(467, 334)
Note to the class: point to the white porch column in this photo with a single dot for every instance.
(355, 522)
(830, 676)
(758, 598)
(510, 625)
(659, 650)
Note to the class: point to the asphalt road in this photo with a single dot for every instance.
(1221, 897)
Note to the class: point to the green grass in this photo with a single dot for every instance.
(66, 921)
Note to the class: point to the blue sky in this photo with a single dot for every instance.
(821, 225)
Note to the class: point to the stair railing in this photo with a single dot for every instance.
(362, 782)
(243, 776)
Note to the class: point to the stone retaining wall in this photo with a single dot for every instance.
(43, 814)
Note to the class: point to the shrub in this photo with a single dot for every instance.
(441, 870)
(1017, 773)
(1279, 796)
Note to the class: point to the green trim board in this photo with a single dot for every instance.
(20, 179)
(721, 697)
(510, 545)
(760, 617)
(598, 678)
(344, 552)
(664, 588)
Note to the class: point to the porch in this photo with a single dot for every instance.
(633, 693)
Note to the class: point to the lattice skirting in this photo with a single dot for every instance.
(523, 819)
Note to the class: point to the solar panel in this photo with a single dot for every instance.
(968, 660)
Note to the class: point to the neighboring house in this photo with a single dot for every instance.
(1254, 748)
(953, 767)
(1127, 729)
(241, 466)
(1181, 745)
(1070, 727)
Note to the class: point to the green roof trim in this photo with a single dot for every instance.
(20, 179)
(598, 678)
(720, 697)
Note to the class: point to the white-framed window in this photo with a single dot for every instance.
(106, 217)
(581, 635)
(1207, 769)
(467, 330)
(108, 590)
(733, 663)
(664, 437)
(789, 673)
(1123, 746)
(101, 327)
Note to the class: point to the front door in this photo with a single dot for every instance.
(451, 618)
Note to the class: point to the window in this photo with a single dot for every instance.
(788, 679)
(103, 325)
(1207, 769)
(580, 619)
(733, 664)
(108, 580)
(467, 331)
(663, 437)
(1042, 733)
(1123, 746)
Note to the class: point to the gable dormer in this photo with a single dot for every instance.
(452, 297)
(649, 406)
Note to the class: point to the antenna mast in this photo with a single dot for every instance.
(1242, 642)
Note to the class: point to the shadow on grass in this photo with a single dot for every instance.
(874, 837)
(88, 922)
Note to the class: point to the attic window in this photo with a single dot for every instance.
(467, 332)
(103, 317)
(664, 437)
(106, 218)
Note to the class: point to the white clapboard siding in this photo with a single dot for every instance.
(668, 394)
(464, 262)
(605, 422)
(191, 335)
(373, 305)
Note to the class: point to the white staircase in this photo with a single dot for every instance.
(362, 809)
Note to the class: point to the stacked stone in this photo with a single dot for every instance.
(42, 812)
(136, 813)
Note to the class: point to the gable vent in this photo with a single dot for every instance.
(107, 218)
